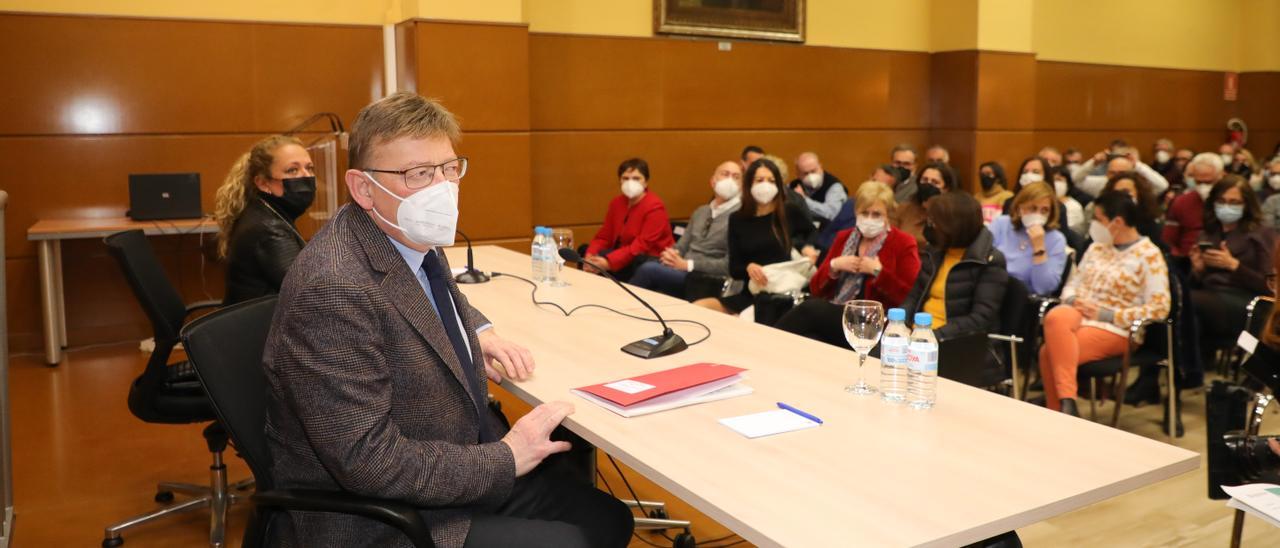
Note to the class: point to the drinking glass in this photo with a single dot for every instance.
(562, 237)
(863, 323)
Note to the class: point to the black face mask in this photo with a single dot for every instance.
(926, 191)
(299, 193)
(987, 181)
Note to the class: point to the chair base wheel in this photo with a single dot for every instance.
(658, 513)
(684, 540)
(112, 542)
(164, 497)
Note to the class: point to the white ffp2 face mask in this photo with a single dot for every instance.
(1274, 181)
(632, 188)
(870, 228)
(1033, 219)
(813, 180)
(1060, 188)
(428, 216)
(764, 192)
(1099, 233)
(1030, 177)
(1162, 156)
(727, 189)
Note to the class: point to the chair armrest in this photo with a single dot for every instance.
(1005, 338)
(1139, 325)
(201, 305)
(400, 515)
(1045, 303)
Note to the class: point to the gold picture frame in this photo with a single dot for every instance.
(779, 20)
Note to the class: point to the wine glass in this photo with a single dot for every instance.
(863, 323)
(562, 238)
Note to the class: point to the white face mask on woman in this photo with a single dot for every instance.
(1033, 219)
(1099, 233)
(631, 188)
(764, 192)
(870, 228)
(1030, 177)
(428, 216)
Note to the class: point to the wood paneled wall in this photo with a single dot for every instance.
(547, 119)
(92, 99)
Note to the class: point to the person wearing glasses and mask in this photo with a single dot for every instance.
(873, 261)
(267, 189)
(1034, 248)
(376, 366)
(1229, 263)
(636, 227)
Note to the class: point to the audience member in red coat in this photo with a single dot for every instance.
(636, 227)
(872, 261)
(1185, 218)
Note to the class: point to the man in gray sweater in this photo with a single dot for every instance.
(704, 246)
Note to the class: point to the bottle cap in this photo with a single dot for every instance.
(923, 319)
(897, 315)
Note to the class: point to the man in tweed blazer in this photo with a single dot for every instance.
(377, 364)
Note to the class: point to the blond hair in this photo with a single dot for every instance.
(871, 192)
(401, 114)
(782, 169)
(1030, 193)
(238, 186)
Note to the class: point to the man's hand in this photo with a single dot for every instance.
(596, 263)
(530, 437)
(503, 358)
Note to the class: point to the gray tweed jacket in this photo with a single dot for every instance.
(367, 395)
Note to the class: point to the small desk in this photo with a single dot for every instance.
(49, 233)
(875, 474)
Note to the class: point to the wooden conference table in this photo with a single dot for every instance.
(49, 233)
(874, 474)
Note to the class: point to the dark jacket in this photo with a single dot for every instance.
(975, 288)
(367, 395)
(262, 245)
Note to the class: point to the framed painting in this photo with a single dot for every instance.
(781, 20)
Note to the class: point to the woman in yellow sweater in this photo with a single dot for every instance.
(1121, 278)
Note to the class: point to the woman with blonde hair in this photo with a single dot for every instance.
(873, 260)
(268, 188)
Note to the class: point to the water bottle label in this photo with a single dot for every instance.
(923, 357)
(893, 350)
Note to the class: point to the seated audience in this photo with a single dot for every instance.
(937, 153)
(994, 190)
(1121, 278)
(872, 261)
(934, 179)
(1063, 189)
(1246, 167)
(1162, 152)
(1072, 157)
(267, 189)
(704, 246)
(1229, 264)
(794, 198)
(636, 227)
(823, 192)
(962, 275)
(1034, 249)
(821, 241)
(1185, 216)
(1138, 190)
(765, 230)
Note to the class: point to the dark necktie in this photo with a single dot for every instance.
(436, 277)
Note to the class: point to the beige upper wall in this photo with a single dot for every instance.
(1190, 34)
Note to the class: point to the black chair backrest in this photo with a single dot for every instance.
(158, 297)
(1015, 308)
(1261, 312)
(226, 349)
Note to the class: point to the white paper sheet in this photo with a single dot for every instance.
(768, 423)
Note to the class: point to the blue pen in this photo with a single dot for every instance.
(799, 412)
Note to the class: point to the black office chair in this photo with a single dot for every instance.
(1157, 349)
(1256, 315)
(1015, 330)
(226, 348)
(169, 393)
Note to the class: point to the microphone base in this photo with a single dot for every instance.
(656, 347)
(471, 276)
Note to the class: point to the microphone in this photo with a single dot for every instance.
(653, 347)
(471, 275)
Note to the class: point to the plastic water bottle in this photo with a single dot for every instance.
(550, 257)
(922, 364)
(537, 252)
(893, 357)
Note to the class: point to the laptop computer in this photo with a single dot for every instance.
(156, 196)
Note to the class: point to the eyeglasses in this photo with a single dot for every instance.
(420, 176)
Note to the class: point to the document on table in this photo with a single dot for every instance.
(1259, 499)
(768, 423)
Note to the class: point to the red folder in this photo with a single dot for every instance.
(628, 392)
